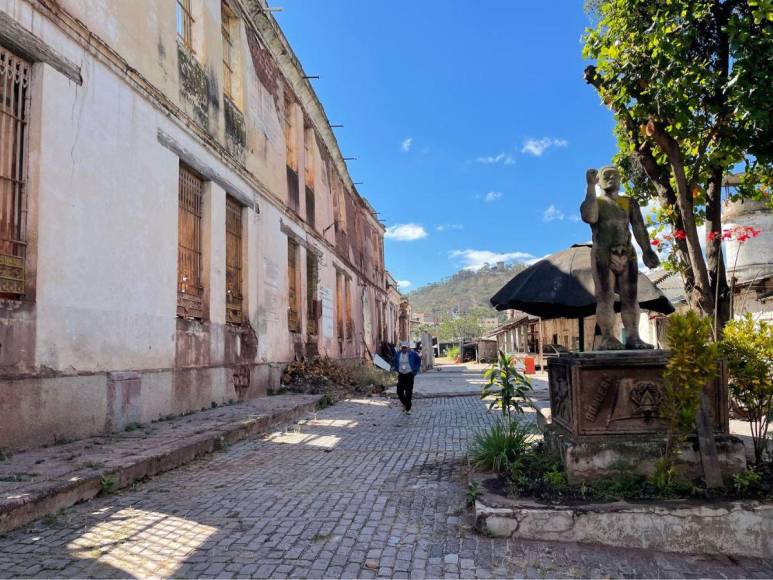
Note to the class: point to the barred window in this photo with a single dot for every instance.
(185, 23)
(227, 21)
(293, 297)
(233, 261)
(14, 110)
(312, 304)
(189, 279)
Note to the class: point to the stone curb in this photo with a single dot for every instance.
(54, 495)
(740, 528)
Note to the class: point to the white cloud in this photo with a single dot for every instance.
(406, 144)
(405, 232)
(552, 213)
(476, 259)
(503, 158)
(537, 147)
(490, 196)
(449, 227)
(403, 283)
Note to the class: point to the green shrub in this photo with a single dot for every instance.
(508, 387)
(453, 352)
(664, 476)
(501, 445)
(621, 486)
(692, 365)
(748, 482)
(538, 473)
(473, 491)
(748, 348)
(555, 480)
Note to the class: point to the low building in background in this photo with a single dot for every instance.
(179, 221)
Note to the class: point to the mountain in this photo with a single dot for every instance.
(466, 292)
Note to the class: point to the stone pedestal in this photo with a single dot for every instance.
(605, 415)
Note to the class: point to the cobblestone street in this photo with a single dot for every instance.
(359, 490)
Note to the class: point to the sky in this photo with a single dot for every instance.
(471, 122)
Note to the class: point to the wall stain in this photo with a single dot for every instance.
(194, 85)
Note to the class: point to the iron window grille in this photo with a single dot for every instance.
(190, 289)
(14, 110)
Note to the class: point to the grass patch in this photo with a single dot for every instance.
(108, 484)
(327, 400)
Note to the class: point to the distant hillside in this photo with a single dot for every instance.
(463, 293)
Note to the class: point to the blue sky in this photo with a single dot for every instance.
(470, 121)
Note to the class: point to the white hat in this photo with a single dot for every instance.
(406, 344)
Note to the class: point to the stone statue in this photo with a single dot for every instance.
(613, 258)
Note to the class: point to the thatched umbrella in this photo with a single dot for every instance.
(561, 286)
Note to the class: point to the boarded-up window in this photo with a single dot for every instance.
(293, 297)
(311, 208)
(289, 118)
(308, 172)
(340, 310)
(312, 304)
(341, 198)
(308, 156)
(185, 23)
(348, 300)
(14, 109)
(233, 261)
(228, 23)
(189, 279)
(293, 185)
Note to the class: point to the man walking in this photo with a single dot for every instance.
(407, 364)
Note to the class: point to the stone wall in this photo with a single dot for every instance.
(95, 343)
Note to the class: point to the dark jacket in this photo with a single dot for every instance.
(413, 359)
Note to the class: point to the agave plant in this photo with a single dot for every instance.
(508, 387)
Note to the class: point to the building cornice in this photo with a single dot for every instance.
(264, 24)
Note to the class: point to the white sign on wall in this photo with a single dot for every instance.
(326, 295)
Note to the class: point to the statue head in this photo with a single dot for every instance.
(609, 177)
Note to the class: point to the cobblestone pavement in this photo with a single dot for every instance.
(359, 491)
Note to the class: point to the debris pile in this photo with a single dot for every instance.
(339, 381)
(317, 372)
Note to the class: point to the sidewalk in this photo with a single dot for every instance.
(42, 481)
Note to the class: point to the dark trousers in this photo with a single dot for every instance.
(405, 389)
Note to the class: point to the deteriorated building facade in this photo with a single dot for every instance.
(176, 219)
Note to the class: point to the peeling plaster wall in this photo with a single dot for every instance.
(104, 160)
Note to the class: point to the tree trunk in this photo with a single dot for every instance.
(684, 206)
(714, 255)
(658, 175)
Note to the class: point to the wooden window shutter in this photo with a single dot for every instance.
(233, 262)
(312, 272)
(293, 297)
